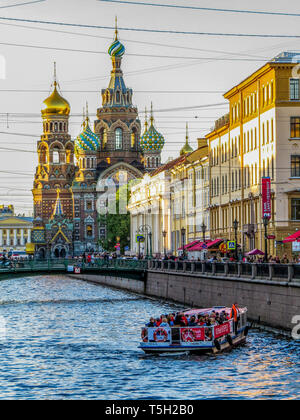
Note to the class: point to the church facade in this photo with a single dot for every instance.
(73, 175)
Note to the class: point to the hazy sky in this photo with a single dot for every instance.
(32, 68)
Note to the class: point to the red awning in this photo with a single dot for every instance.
(295, 237)
(197, 247)
(188, 245)
(216, 242)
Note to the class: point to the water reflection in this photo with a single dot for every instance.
(69, 339)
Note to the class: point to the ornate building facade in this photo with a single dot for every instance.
(111, 155)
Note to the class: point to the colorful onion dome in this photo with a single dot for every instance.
(116, 49)
(151, 140)
(87, 141)
(56, 104)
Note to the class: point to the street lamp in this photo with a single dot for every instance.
(150, 241)
(235, 227)
(183, 232)
(203, 228)
(164, 236)
(266, 222)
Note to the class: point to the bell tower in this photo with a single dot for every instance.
(56, 168)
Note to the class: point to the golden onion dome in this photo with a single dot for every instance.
(56, 104)
(187, 149)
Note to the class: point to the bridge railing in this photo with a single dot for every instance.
(65, 264)
(288, 272)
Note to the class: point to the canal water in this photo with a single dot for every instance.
(66, 339)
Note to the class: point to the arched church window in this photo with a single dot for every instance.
(133, 138)
(56, 158)
(43, 155)
(69, 155)
(153, 162)
(119, 139)
(118, 97)
(88, 163)
(55, 127)
(148, 162)
(157, 162)
(51, 127)
(60, 126)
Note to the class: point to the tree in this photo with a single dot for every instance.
(117, 225)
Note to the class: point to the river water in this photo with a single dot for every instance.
(66, 339)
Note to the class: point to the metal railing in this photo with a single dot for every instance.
(64, 264)
(288, 272)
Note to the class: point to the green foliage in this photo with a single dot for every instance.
(117, 225)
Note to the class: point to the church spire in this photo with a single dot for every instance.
(186, 148)
(146, 120)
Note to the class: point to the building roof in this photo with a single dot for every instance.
(169, 165)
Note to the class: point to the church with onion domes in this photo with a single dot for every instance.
(73, 175)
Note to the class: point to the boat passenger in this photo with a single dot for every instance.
(151, 324)
(192, 322)
(164, 323)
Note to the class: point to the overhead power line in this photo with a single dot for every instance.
(158, 31)
(208, 9)
(22, 4)
(43, 47)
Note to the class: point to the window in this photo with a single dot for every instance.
(294, 90)
(56, 156)
(295, 209)
(295, 127)
(89, 231)
(119, 139)
(295, 166)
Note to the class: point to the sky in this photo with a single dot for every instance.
(170, 70)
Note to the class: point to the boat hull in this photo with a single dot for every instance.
(207, 348)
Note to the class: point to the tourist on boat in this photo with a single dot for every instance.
(192, 322)
(151, 324)
(171, 319)
(235, 315)
(181, 320)
(164, 323)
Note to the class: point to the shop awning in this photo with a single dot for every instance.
(188, 246)
(209, 244)
(197, 247)
(295, 237)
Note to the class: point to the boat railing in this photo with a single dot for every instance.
(186, 336)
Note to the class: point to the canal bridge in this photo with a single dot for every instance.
(131, 269)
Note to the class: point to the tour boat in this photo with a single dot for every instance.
(213, 339)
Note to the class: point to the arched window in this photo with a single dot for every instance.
(43, 155)
(60, 126)
(119, 139)
(148, 162)
(56, 158)
(118, 97)
(157, 162)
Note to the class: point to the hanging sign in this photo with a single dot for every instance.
(266, 198)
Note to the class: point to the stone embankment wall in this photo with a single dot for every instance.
(274, 302)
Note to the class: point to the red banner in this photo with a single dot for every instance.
(221, 330)
(190, 335)
(266, 198)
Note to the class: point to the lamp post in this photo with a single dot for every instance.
(183, 232)
(203, 228)
(266, 222)
(150, 247)
(164, 236)
(235, 227)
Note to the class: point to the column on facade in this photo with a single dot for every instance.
(1, 237)
(15, 237)
(29, 236)
(8, 237)
(22, 237)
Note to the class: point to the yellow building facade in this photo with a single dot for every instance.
(260, 137)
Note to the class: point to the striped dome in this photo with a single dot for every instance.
(87, 141)
(152, 140)
(116, 49)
